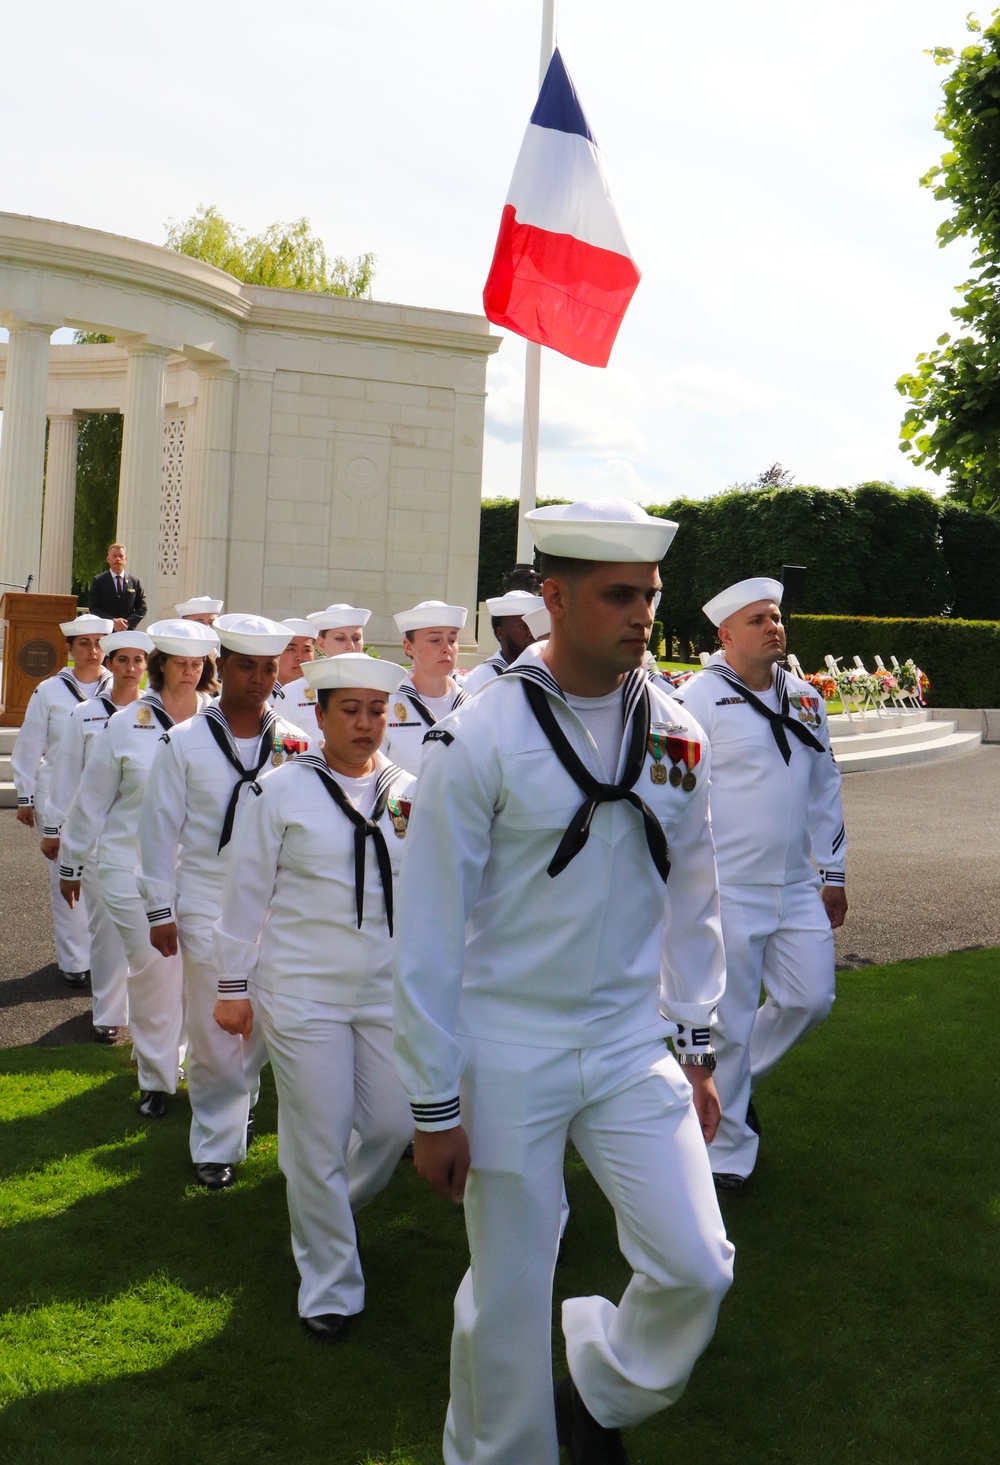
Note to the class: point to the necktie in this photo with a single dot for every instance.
(364, 829)
(247, 775)
(578, 831)
(778, 720)
(118, 585)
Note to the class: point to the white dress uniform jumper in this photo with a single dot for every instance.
(108, 962)
(537, 1007)
(296, 701)
(194, 798)
(306, 931)
(480, 676)
(105, 813)
(777, 819)
(35, 748)
(410, 717)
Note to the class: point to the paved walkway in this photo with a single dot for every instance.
(923, 879)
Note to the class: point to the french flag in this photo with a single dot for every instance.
(562, 271)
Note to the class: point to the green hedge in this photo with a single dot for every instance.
(962, 658)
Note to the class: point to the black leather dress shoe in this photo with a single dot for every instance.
(727, 1184)
(327, 1327)
(585, 1441)
(152, 1104)
(106, 1035)
(251, 1128)
(214, 1176)
(753, 1120)
(75, 979)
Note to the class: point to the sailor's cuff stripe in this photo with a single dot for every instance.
(25, 801)
(833, 877)
(161, 915)
(688, 1037)
(50, 831)
(232, 986)
(445, 1112)
(70, 872)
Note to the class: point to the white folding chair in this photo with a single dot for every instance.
(870, 699)
(834, 668)
(912, 697)
(795, 665)
(703, 657)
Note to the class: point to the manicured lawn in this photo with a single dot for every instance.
(144, 1321)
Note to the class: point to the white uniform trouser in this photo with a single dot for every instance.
(628, 1109)
(777, 936)
(223, 1070)
(69, 927)
(155, 986)
(334, 1073)
(108, 962)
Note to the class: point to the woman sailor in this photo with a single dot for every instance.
(105, 812)
(306, 933)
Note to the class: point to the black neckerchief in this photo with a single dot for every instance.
(364, 829)
(412, 695)
(220, 730)
(578, 831)
(779, 720)
(110, 707)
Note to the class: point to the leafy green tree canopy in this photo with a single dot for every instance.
(288, 256)
(953, 425)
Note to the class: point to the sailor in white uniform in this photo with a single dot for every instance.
(339, 628)
(201, 608)
(125, 657)
(31, 761)
(430, 690)
(195, 795)
(572, 881)
(105, 813)
(293, 696)
(306, 934)
(507, 613)
(781, 847)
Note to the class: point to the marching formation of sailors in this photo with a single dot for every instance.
(248, 835)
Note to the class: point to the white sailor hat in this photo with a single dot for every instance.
(514, 603)
(601, 529)
(86, 625)
(252, 635)
(354, 669)
(744, 592)
(183, 638)
(301, 628)
(335, 617)
(430, 613)
(538, 622)
(132, 640)
(200, 605)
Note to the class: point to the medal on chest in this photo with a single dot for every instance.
(286, 748)
(399, 813)
(684, 754)
(143, 716)
(400, 710)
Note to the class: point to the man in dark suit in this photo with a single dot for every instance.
(116, 596)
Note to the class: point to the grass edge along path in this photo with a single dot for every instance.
(142, 1319)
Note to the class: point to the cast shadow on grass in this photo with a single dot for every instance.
(861, 1326)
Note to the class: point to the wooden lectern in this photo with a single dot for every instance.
(33, 647)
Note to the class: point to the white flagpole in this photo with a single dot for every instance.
(533, 353)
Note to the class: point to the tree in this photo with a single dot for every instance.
(288, 256)
(98, 460)
(953, 425)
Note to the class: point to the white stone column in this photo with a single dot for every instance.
(22, 451)
(56, 573)
(208, 483)
(142, 458)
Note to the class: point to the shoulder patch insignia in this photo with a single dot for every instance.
(164, 737)
(439, 735)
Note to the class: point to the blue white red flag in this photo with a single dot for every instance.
(562, 271)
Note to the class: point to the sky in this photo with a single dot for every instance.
(764, 159)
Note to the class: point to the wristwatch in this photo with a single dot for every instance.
(705, 1058)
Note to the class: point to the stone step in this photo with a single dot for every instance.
(841, 725)
(893, 737)
(8, 795)
(928, 750)
(7, 736)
